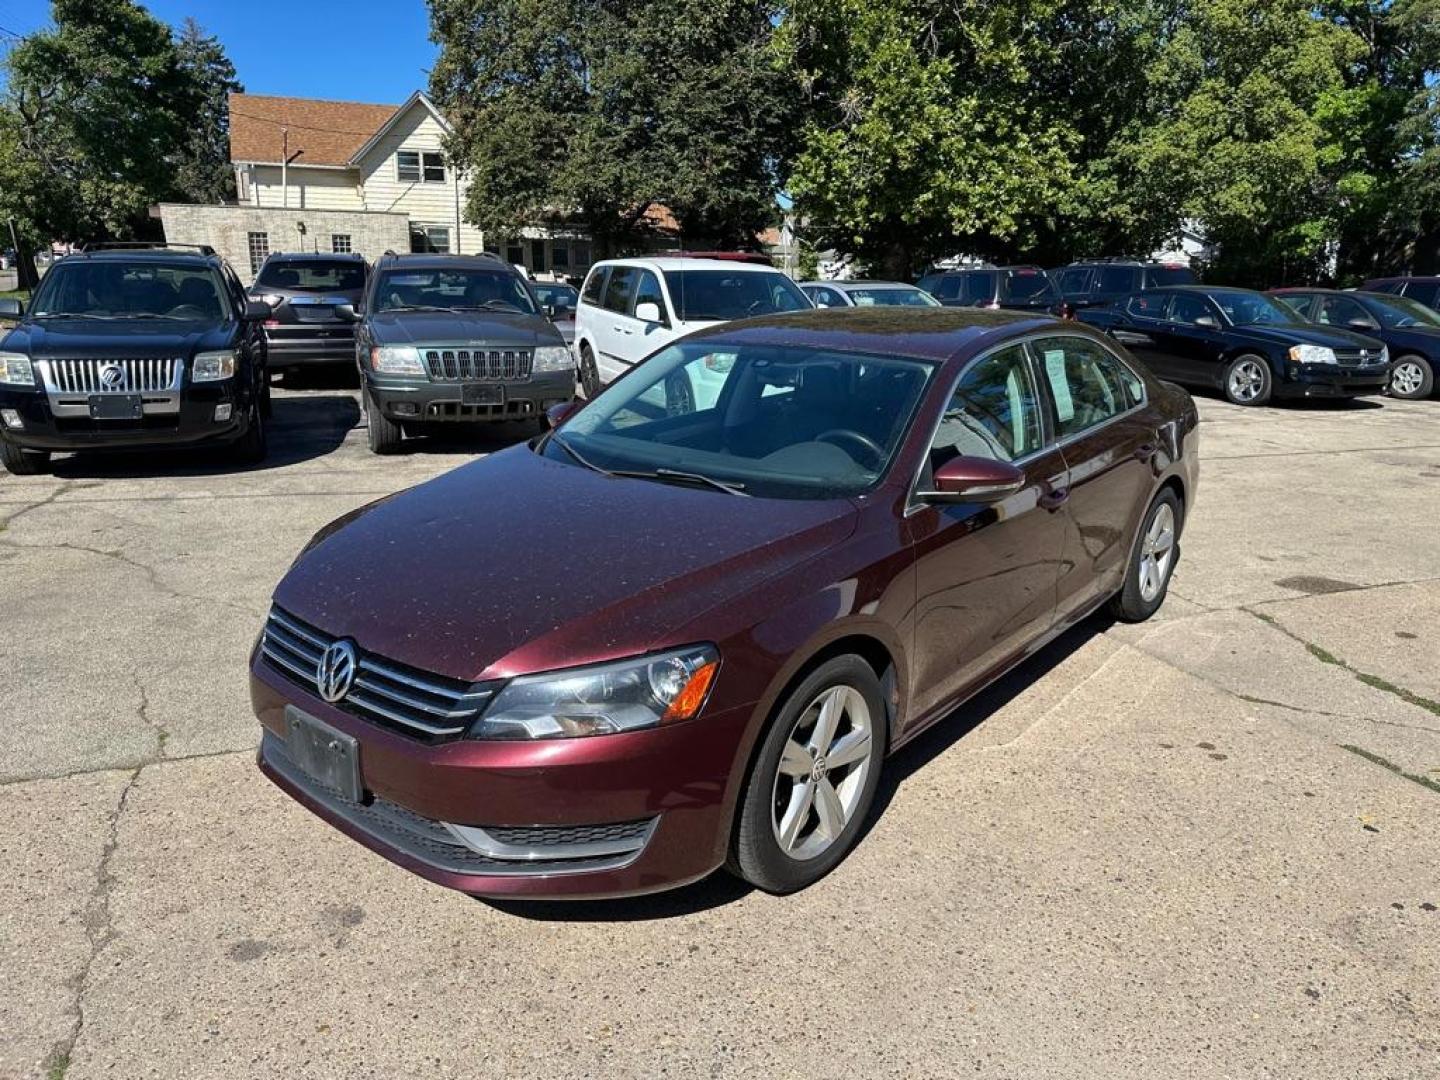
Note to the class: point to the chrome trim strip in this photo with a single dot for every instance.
(364, 702)
(406, 699)
(478, 840)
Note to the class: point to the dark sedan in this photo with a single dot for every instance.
(1410, 330)
(1243, 343)
(675, 638)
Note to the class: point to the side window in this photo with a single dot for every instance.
(1341, 311)
(994, 413)
(617, 290)
(1073, 280)
(928, 283)
(1147, 305)
(979, 288)
(1088, 383)
(1423, 291)
(594, 287)
(946, 287)
(1299, 303)
(1187, 309)
(648, 292)
(1116, 279)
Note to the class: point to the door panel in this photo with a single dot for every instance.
(1142, 328)
(1193, 353)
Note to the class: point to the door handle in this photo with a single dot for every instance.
(1054, 498)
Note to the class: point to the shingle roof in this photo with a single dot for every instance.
(328, 132)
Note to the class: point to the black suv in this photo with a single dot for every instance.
(133, 346)
(446, 338)
(1101, 281)
(1020, 288)
(1244, 343)
(303, 292)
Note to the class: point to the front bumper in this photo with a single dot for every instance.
(658, 802)
(413, 400)
(1331, 381)
(191, 422)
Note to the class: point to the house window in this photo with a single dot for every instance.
(581, 250)
(560, 257)
(434, 238)
(515, 255)
(340, 243)
(259, 244)
(412, 166)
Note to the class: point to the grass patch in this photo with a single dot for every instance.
(58, 1067)
(1325, 657)
(1376, 759)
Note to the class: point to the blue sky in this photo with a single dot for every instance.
(356, 50)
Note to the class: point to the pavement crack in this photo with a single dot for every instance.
(1375, 759)
(143, 711)
(40, 504)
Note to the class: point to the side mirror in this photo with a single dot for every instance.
(10, 308)
(647, 312)
(1209, 322)
(974, 479)
(558, 413)
(346, 313)
(1363, 326)
(257, 310)
(550, 311)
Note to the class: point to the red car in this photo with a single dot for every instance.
(673, 635)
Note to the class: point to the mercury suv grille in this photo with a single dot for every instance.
(456, 365)
(389, 694)
(122, 376)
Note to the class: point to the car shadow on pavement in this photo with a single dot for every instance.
(721, 888)
(299, 428)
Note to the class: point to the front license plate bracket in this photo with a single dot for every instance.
(326, 754)
(116, 407)
(482, 394)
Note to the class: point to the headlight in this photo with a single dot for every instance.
(602, 699)
(396, 360)
(15, 369)
(1384, 355)
(210, 366)
(553, 358)
(1312, 354)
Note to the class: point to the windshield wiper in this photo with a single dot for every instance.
(558, 441)
(154, 315)
(730, 487)
(491, 305)
(414, 307)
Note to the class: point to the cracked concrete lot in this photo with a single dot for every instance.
(1206, 846)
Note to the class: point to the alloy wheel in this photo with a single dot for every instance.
(822, 772)
(1406, 379)
(1247, 380)
(1157, 550)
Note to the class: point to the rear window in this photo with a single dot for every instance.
(1171, 275)
(311, 276)
(725, 294)
(977, 287)
(1026, 284)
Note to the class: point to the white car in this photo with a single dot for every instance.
(631, 307)
(857, 293)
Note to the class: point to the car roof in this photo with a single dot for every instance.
(934, 334)
(664, 264)
(1203, 290)
(164, 255)
(860, 283)
(430, 260)
(316, 256)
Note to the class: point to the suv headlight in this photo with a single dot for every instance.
(1312, 354)
(15, 369)
(553, 358)
(212, 366)
(396, 360)
(602, 699)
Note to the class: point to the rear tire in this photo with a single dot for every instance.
(1249, 380)
(589, 373)
(1411, 378)
(20, 462)
(384, 435)
(1152, 560)
(813, 780)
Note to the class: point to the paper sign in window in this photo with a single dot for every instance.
(1059, 384)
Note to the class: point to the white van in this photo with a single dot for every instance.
(631, 307)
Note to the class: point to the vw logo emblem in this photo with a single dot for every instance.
(337, 671)
(112, 376)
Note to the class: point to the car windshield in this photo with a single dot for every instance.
(309, 275)
(892, 297)
(1029, 284)
(774, 421)
(560, 296)
(732, 294)
(1400, 312)
(1251, 309)
(452, 288)
(112, 289)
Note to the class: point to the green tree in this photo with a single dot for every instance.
(203, 172)
(566, 110)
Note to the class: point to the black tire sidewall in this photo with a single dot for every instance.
(756, 855)
(21, 462)
(1265, 394)
(382, 434)
(1129, 605)
(589, 373)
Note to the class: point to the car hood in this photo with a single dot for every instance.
(462, 327)
(102, 338)
(517, 563)
(1306, 334)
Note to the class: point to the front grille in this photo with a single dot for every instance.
(457, 365)
(392, 695)
(123, 376)
(1357, 357)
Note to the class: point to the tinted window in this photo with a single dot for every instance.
(1028, 285)
(1188, 307)
(1147, 305)
(1297, 302)
(892, 297)
(453, 288)
(994, 412)
(1422, 291)
(312, 276)
(1341, 311)
(1170, 275)
(112, 288)
(617, 291)
(1114, 279)
(1400, 311)
(928, 283)
(594, 286)
(648, 292)
(946, 287)
(978, 287)
(732, 294)
(1073, 280)
(1089, 385)
(1252, 309)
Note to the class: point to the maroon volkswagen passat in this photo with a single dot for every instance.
(685, 628)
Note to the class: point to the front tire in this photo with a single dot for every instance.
(20, 462)
(384, 434)
(1152, 560)
(813, 780)
(1411, 378)
(251, 448)
(1249, 380)
(589, 373)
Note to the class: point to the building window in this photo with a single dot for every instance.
(515, 255)
(581, 250)
(340, 243)
(412, 166)
(259, 244)
(435, 238)
(560, 256)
